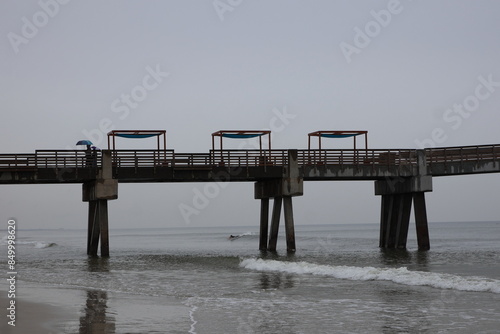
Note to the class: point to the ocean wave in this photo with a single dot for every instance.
(39, 244)
(397, 275)
(241, 235)
(36, 244)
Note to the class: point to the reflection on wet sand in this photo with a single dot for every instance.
(277, 281)
(402, 257)
(412, 317)
(95, 319)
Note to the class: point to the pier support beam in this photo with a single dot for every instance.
(264, 223)
(94, 230)
(98, 227)
(421, 222)
(397, 197)
(395, 220)
(289, 225)
(281, 190)
(273, 237)
(97, 193)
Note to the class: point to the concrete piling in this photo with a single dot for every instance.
(395, 220)
(93, 229)
(289, 224)
(281, 190)
(273, 236)
(97, 193)
(264, 223)
(421, 221)
(98, 228)
(397, 197)
(103, 227)
(403, 220)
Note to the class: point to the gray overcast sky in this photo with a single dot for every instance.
(399, 69)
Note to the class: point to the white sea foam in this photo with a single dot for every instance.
(241, 235)
(36, 244)
(40, 244)
(397, 275)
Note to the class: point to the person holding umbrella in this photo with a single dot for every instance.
(89, 157)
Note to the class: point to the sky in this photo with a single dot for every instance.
(414, 74)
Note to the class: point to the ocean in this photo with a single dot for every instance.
(197, 280)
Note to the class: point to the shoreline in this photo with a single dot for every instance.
(32, 316)
(45, 309)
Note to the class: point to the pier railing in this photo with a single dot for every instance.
(249, 157)
(170, 158)
(462, 154)
(245, 158)
(51, 159)
(358, 157)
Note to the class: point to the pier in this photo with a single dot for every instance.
(401, 177)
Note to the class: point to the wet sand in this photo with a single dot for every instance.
(46, 310)
(31, 317)
(49, 310)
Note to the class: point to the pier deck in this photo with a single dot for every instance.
(74, 166)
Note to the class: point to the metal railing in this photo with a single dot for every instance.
(169, 158)
(51, 159)
(245, 158)
(141, 158)
(8, 161)
(250, 158)
(358, 157)
(254, 158)
(462, 154)
(67, 158)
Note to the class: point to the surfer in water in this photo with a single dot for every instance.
(234, 237)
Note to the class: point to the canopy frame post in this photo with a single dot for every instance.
(337, 134)
(242, 134)
(138, 134)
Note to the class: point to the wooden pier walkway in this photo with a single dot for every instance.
(74, 166)
(401, 176)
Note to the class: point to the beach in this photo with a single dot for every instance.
(33, 317)
(50, 310)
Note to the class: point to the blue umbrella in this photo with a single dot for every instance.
(84, 142)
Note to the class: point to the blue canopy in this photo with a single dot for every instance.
(241, 135)
(338, 134)
(327, 135)
(136, 136)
